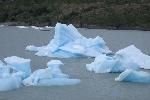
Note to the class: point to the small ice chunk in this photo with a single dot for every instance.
(114, 63)
(49, 27)
(32, 48)
(134, 76)
(19, 64)
(135, 55)
(35, 27)
(22, 26)
(49, 76)
(46, 28)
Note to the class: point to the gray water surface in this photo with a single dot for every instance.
(93, 86)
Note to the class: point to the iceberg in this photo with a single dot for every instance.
(134, 76)
(4, 70)
(127, 58)
(134, 54)
(13, 81)
(68, 42)
(19, 64)
(111, 63)
(9, 78)
(50, 76)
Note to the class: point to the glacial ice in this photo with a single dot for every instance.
(11, 76)
(35, 27)
(19, 64)
(4, 70)
(68, 42)
(33, 48)
(22, 26)
(134, 76)
(127, 58)
(10, 82)
(50, 76)
(111, 63)
(49, 27)
(134, 54)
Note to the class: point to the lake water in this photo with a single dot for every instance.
(93, 86)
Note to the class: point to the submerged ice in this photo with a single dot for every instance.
(134, 76)
(68, 42)
(12, 74)
(50, 76)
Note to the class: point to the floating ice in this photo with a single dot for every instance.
(135, 55)
(10, 78)
(35, 27)
(4, 70)
(53, 65)
(58, 82)
(22, 27)
(68, 42)
(49, 27)
(10, 82)
(110, 63)
(49, 76)
(46, 28)
(19, 64)
(33, 48)
(134, 76)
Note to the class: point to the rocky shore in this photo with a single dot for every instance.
(109, 14)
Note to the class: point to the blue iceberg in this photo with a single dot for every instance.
(12, 74)
(4, 70)
(13, 81)
(50, 76)
(68, 42)
(134, 54)
(19, 64)
(111, 63)
(134, 76)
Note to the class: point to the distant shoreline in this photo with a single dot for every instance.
(84, 26)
